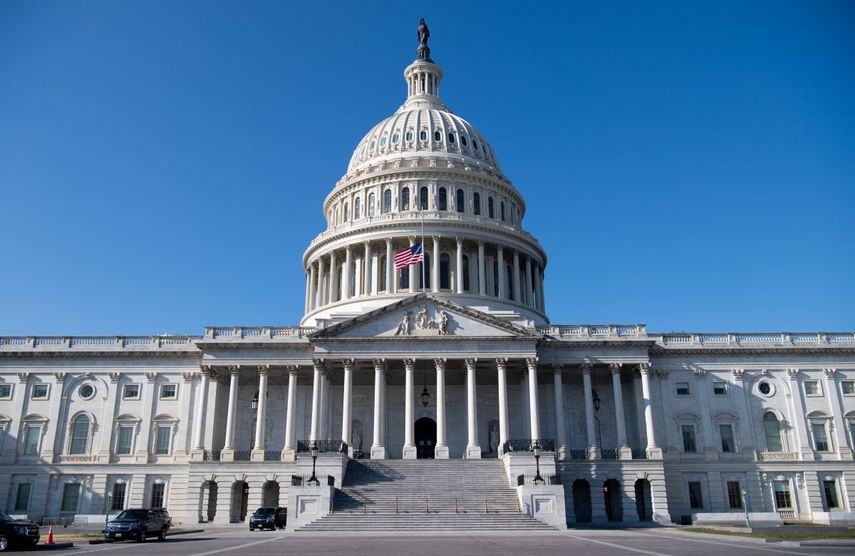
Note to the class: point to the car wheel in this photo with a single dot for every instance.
(162, 535)
(141, 536)
(4, 544)
(251, 528)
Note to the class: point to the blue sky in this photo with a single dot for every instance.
(686, 165)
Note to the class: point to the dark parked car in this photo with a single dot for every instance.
(268, 518)
(138, 524)
(17, 532)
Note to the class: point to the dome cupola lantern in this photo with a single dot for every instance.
(424, 175)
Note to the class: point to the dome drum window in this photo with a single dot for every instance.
(451, 138)
(383, 141)
(395, 138)
(437, 136)
(423, 135)
(463, 140)
(408, 136)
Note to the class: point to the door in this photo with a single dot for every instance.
(425, 436)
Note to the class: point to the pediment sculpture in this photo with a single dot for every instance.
(423, 324)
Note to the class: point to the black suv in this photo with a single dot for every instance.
(138, 524)
(271, 518)
(17, 532)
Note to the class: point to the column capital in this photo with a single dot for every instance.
(319, 364)
(439, 363)
(586, 367)
(501, 362)
(793, 374)
(615, 368)
(557, 367)
(114, 376)
(829, 373)
(347, 248)
(348, 363)
(24, 376)
(188, 377)
(209, 371)
(292, 369)
(738, 374)
(409, 364)
(459, 240)
(59, 376)
(644, 368)
(151, 376)
(263, 369)
(379, 364)
(470, 362)
(233, 369)
(389, 241)
(700, 374)
(531, 362)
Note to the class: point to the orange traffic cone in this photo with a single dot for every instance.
(50, 535)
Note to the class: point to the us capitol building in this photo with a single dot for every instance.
(442, 379)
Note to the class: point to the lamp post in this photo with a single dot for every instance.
(596, 399)
(535, 445)
(313, 447)
(107, 509)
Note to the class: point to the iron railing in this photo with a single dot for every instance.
(609, 454)
(578, 454)
(639, 454)
(211, 455)
(529, 444)
(323, 446)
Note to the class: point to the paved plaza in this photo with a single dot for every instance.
(658, 542)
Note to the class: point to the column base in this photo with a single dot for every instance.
(197, 454)
(257, 454)
(378, 452)
(624, 452)
(288, 454)
(654, 452)
(409, 452)
(440, 452)
(561, 454)
(593, 452)
(227, 454)
(472, 452)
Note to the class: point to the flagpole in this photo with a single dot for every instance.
(424, 258)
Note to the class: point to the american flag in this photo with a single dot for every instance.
(410, 255)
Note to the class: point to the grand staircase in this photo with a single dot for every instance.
(425, 495)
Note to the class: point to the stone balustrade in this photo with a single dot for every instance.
(109, 343)
(772, 338)
(595, 330)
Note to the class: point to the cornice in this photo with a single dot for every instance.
(736, 350)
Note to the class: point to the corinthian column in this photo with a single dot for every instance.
(347, 403)
(228, 452)
(201, 411)
(560, 427)
(623, 448)
(260, 444)
(533, 408)
(390, 267)
(345, 273)
(473, 449)
(316, 399)
(458, 275)
(378, 448)
(653, 451)
(502, 377)
(590, 424)
(409, 450)
(441, 449)
(288, 452)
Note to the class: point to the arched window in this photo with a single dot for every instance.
(437, 136)
(371, 204)
(346, 212)
(496, 278)
(450, 137)
(409, 135)
(423, 198)
(405, 278)
(476, 203)
(491, 212)
(387, 201)
(509, 280)
(405, 198)
(461, 201)
(443, 199)
(772, 429)
(79, 435)
(444, 272)
(427, 270)
(465, 273)
(502, 210)
(357, 208)
(423, 135)
(382, 271)
(463, 140)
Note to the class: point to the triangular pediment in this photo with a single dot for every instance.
(425, 316)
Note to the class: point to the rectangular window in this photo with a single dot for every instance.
(161, 440)
(782, 495)
(688, 438)
(5, 391)
(118, 501)
(123, 443)
(848, 387)
(157, 490)
(683, 389)
(812, 388)
(168, 391)
(32, 436)
(820, 439)
(70, 498)
(131, 392)
(22, 497)
(696, 498)
(829, 489)
(726, 433)
(719, 388)
(734, 495)
(40, 391)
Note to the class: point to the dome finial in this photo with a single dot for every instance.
(423, 33)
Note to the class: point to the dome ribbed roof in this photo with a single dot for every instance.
(423, 126)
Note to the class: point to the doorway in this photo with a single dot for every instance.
(582, 500)
(425, 435)
(643, 503)
(611, 496)
(240, 501)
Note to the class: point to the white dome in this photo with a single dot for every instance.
(424, 125)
